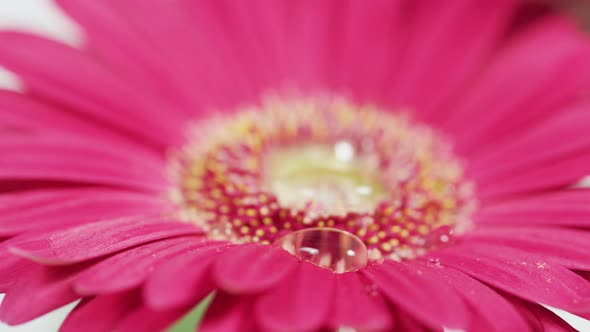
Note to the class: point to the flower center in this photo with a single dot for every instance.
(291, 172)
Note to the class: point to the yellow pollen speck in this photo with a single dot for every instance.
(254, 222)
(361, 232)
(287, 225)
(388, 211)
(251, 213)
(259, 232)
(381, 234)
(244, 229)
(193, 183)
(273, 229)
(373, 239)
(373, 227)
(216, 193)
(404, 233)
(386, 247)
(423, 229)
(330, 223)
(267, 221)
(394, 242)
(264, 211)
(321, 224)
(224, 209)
(395, 229)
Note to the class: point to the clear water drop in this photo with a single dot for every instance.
(434, 261)
(330, 248)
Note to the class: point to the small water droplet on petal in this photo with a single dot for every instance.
(434, 261)
(326, 247)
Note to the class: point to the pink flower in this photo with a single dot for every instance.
(374, 165)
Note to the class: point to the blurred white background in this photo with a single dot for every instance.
(42, 17)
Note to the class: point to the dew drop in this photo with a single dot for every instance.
(434, 261)
(330, 248)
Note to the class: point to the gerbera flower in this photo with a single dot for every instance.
(368, 166)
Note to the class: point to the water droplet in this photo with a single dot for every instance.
(330, 248)
(434, 261)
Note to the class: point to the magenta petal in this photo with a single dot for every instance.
(485, 303)
(64, 210)
(252, 268)
(445, 48)
(358, 305)
(565, 247)
(130, 268)
(523, 274)
(559, 138)
(37, 291)
(560, 208)
(184, 279)
(356, 69)
(94, 240)
(299, 303)
(420, 292)
(228, 314)
(101, 313)
(63, 159)
(549, 321)
(556, 77)
(64, 77)
(146, 320)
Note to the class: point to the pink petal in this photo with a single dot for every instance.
(101, 313)
(549, 321)
(486, 304)
(31, 158)
(63, 77)
(11, 267)
(130, 268)
(555, 245)
(228, 313)
(407, 323)
(420, 292)
(23, 111)
(445, 48)
(555, 139)
(117, 40)
(299, 303)
(36, 291)
(355, 304)
(64, 209)
(557, 174)
(98, 239)
(252, 268)
(146, 320)
(525, 275)
(556, 77)
(190, 272)
(559, 208)
(309, 32)
(365, 73)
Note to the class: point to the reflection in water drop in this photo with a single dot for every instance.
(330, 248)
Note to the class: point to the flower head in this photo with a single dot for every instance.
(316, 165)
